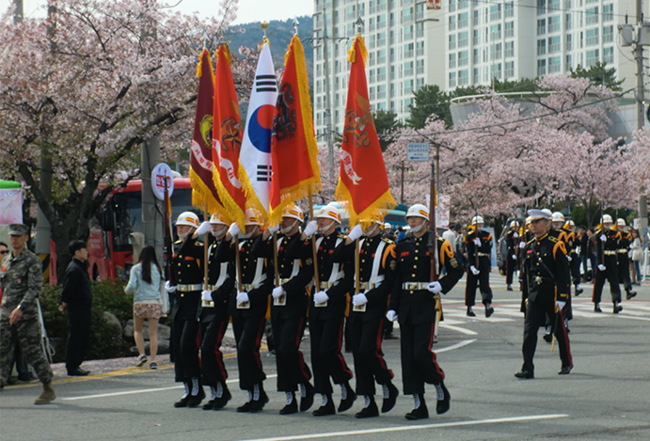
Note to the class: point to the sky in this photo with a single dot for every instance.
(249, 10)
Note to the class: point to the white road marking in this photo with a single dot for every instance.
(458, 329)
(456, 346)
(139, 391)
(416, 427)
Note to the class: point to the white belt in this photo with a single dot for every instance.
(414, 285)
(249, 287)
(190, 288)
(327, 285)
(369, 285)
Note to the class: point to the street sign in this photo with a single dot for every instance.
(417, 151)
(159, 175)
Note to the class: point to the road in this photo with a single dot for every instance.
(606, 397)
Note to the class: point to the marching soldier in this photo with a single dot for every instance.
(567, 237)
(413, 302)
(624, 258)
(289, 307)
(512, 242)
(248, 308)
(327, 312)
(607, 245)
(376, 273)
(188, 255)
(547, 283)
(213, 316)
(479, 246)
(526, 236)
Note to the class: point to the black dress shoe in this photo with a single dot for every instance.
(489, 311)
(290, 408)
(597, 309)
(509, 288)
(617, 309)
(579, 291)
(548, 338)
(420, 413)
(470, 313)
(565, 370)
(349, 400)
(389, 402)
(368, 412)
(195, 400)
(182, 402)
(327, 409)
(257, 405)
(208, 405)
(246, 407)
(443, 405)
(524, 374)
(78, 373)
(308, 400)
(630, 295)
(219, 403)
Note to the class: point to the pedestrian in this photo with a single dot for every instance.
(450, 234)
(77, 298)
(624, 258)
(21, 274)
(377, 262)
(400, 233)
(248, 307)
(213, 315)
(144, 285)
(582, 239)
(607, 244)
(413, 303)
(479, 247)
(547, 282)
(637, 255)
(512, 244)
(186, 286)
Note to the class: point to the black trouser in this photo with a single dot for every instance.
(483, 280)
(624, 271)
(511, 267)
(185, 336)
(326, 357)
(575, 268)
(77, 338)
(369, 363)
(248, 335)
(611, 275)
(536, 316)
(212, 367)
(419, 363)
(292, 369)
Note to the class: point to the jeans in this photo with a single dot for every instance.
(637, 270)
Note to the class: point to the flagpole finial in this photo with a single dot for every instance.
(205, 40)
(296, 23)
(265, 24)
(359, 24)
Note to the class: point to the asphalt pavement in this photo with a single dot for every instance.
(606, 396)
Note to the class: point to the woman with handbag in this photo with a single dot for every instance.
(148, 302)
(636, 249)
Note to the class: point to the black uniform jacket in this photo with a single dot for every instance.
(378, 297)
(472, 249)
(546, 269)
(188, 270)
(220, 294)
(609, 247)
(413, 264)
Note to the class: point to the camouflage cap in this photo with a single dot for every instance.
(18, 230)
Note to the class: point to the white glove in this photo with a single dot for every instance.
(234, 229)
(477, 241)
(170, 289)
(359, 299)
(206, 295)
(203, 228)
(522, 244)
(242, 297)
(515, 235)
(514, 257)
(274, 229)
(560, 305)
(311, 228)
(474, 270)
(569, 258)
(277, 292)
(321, 297)
(356, 233)
(434, 287)
(603, 238)
(601, 267)
(391, 315)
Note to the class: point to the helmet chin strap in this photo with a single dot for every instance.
(184, 235)
(219, 232)
(248, 235)
(326, 229)
(289, 228)
(418, 228)
(371, 231)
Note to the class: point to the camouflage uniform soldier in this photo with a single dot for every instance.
(22, 279)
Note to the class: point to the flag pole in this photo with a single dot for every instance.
(275, 258)
(356, 266)
(205, 251)
(313, 246)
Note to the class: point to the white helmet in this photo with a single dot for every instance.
(418, 210)
(188, 218)
(294, 212)
(251, 217)
(557, 217)
(514, 224)
(620, 222)
(387, 226)
(570, 224)
(215, 220)
(329, 212)
(607, 219)
(477, 220)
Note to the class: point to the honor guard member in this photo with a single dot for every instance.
(607, 245)
(188, 269)
(547, 282)
(479, 246)
(574, 262)
(512, 243)
(213, 315)
(366, 320)
(624, 258)
(413, 303)
(248, 308)
(568, 238)
(22, 280)
(327, 313)
(526, 236)
(289, 306)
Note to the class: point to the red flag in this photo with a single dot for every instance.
(293, 145)
(363, 182)
(204, 193)
(227, 138)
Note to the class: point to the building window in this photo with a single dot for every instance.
(541, 26)
(408, 50)
(495, 52)
(554, 65)
(495, 12)
(553, 5)
(608, 34)
(554, 23)
(569, 62)
(509, 9)
(452, 41)
(608, 12)
(510, 50)
(475, 57)
(592, 37)
(452, 61)
(463, 20)
(463, 39)
(569, 22)
(476, 39)
(452, 79)
(419, 48)
(510, 69)
(476, 20)
(452, 22)
(463, 77)
(381, 74)
(592, 57)
(408, 69)
(541, 7)
(541, 47)
(541, 67)
(495, 32)
(569, 42)
(452, 5)
(463, 58)
(510, 29)
(591, 16)
(476, 76)
(496, 71)
(419, 68)
(554, 44)
(381, 92)
(608, 55)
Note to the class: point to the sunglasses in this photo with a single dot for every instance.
(4, 252)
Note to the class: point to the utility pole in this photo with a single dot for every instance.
(640, 113)
(328, 105)
(18, 11)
